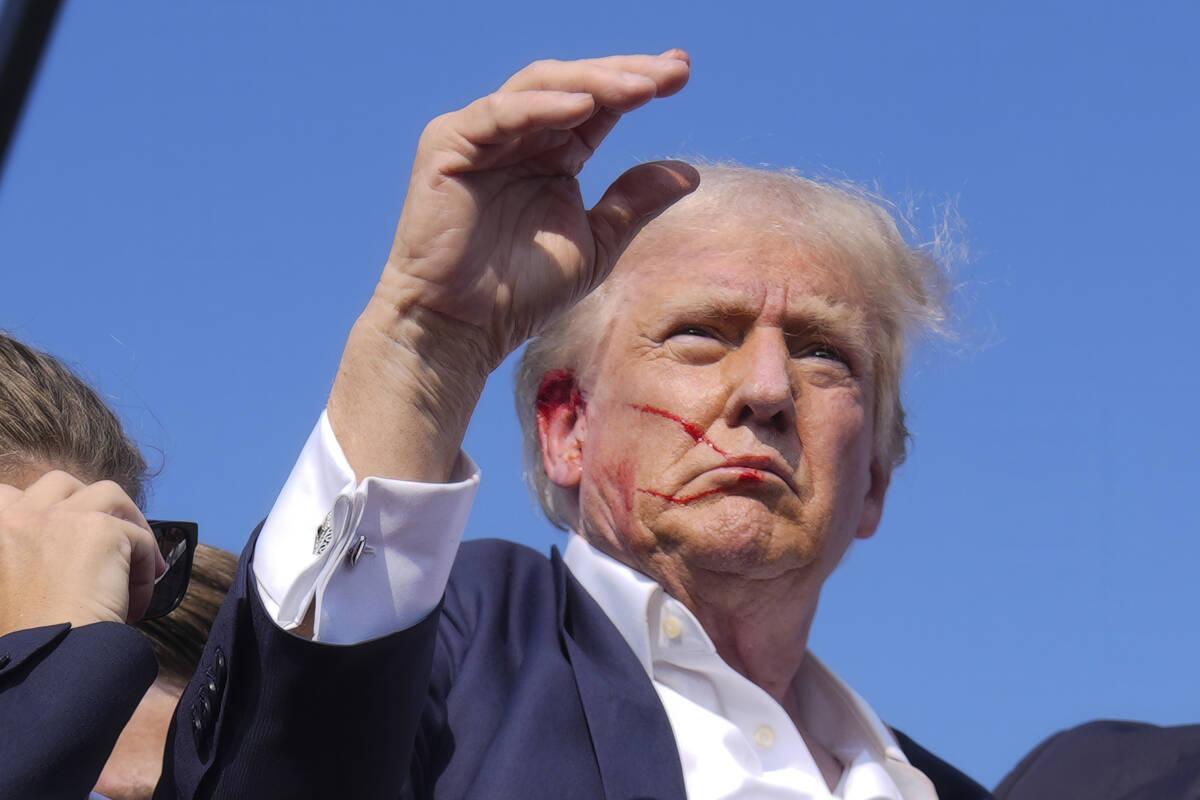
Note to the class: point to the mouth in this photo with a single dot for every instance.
(757, 468)
(736, 475)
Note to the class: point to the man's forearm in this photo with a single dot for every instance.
(404, 395)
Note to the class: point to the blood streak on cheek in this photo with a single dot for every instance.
(690, 428)
(697, 433)
(746, 476)
(559, 389)
(679, 500)
(624, 475)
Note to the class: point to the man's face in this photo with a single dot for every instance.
(726, 422)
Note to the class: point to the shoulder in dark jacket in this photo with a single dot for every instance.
(1110, 760)
(65, 695)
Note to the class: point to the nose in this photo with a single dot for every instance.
(762, 390)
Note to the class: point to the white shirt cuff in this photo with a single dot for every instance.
(406, 532)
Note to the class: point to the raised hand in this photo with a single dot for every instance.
(71, 552)
(494, 242)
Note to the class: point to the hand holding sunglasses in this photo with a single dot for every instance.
(80, 553)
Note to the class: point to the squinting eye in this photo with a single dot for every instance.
(827, 352)
(692, 330)
(696, 344)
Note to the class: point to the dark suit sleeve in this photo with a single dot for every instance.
(1109, 760)
(270, 714)
(65, 695)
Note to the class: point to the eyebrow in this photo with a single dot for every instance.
(810, 315)
(824, 318)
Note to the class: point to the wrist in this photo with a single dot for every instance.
(405, 392)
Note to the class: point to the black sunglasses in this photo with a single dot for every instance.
(177, 543)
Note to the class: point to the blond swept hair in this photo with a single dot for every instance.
(849, 228)
(51, 419)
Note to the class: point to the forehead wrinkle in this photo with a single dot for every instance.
(822, 294)
(804, 313)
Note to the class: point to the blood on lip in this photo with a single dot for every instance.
(696, 432)
(745, 476)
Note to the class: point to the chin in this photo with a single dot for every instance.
(740, 535)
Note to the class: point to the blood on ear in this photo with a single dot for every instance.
(559, 404)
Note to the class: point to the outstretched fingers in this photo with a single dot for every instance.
(621, 83)
(502, 116)
(586, 97)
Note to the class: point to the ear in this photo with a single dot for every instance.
(872, 511)
(562, 429)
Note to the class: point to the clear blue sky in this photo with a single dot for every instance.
(202, 195)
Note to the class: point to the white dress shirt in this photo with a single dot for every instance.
(361, 542)
(409, 533)
(734, 739)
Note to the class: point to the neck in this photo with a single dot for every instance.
(759, 626)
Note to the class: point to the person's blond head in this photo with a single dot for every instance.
(50, 419)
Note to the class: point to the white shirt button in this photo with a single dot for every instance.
(672, 627)
(764, 737)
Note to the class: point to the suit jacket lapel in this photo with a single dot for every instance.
(635, 748)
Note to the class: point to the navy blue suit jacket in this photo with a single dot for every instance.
(518, 686)
(65, 695)
(1110, 760)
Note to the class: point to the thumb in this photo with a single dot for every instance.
(633, 200)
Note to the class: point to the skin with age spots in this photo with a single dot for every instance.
(752, 366)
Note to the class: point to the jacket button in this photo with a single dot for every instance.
(219, 669)
(206, 707)
(202, 712)
(199, 726)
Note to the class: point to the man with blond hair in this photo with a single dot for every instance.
(714, 423)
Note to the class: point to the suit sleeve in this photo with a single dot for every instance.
(1109, 760)
(65, 695)
(271, 714)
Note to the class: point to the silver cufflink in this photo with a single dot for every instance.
(357, 550)
(324, 535)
